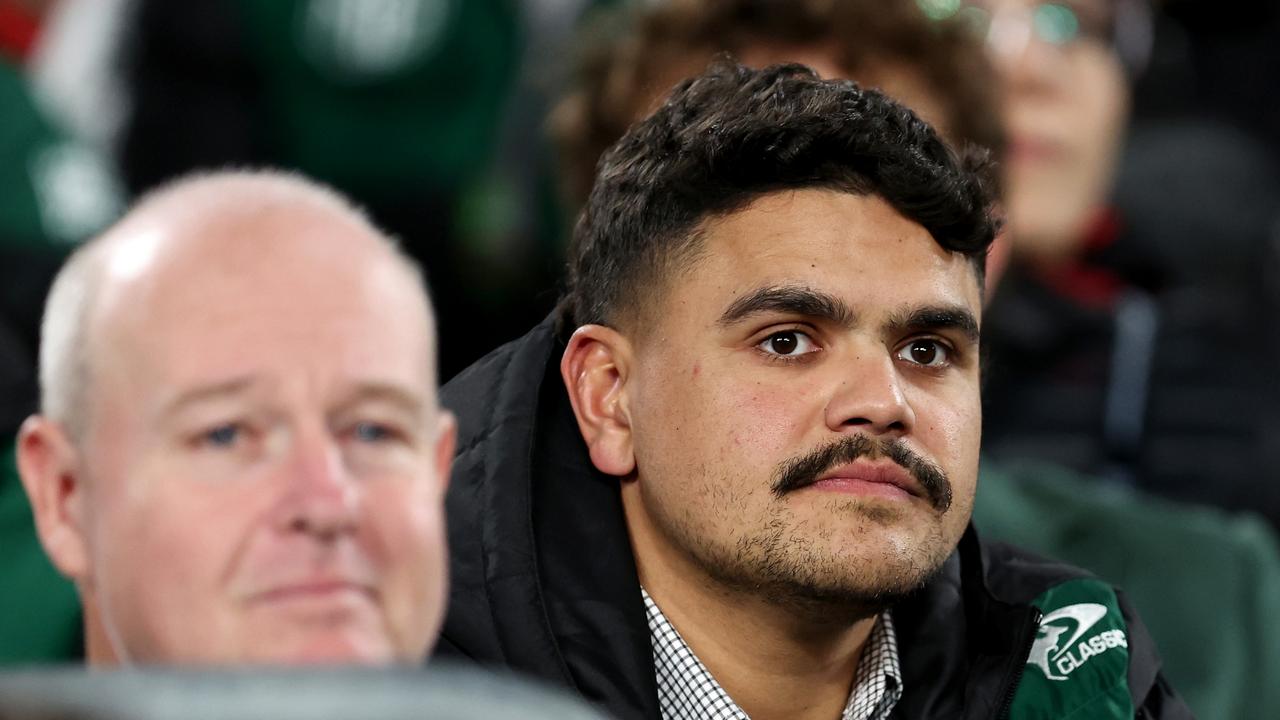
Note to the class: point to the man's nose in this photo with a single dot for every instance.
(870, 397)
(321, 497)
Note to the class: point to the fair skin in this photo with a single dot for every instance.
(1065, 107)
(810, 317)
(261, 474)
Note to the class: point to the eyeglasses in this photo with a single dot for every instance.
(1124, 26)
(1054, 23)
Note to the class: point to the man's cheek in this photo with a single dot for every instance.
(767, 419)
(956, 411)
(401, 519)
(185, 554)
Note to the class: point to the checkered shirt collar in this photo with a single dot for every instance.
(687, 691)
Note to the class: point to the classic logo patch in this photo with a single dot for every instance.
(1078, 664)
(1069, 637)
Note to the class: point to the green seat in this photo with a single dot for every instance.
(39, 610)
(1206, 583)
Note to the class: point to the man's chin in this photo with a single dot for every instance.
(858, 512)
(849, 596)
(853, 571)
(333, 649)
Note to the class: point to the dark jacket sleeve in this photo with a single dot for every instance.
(1163, 703)
(1153, 697)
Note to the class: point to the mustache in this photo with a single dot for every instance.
(804, 471)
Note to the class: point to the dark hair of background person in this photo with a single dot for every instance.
(630, 51)
(734, 134)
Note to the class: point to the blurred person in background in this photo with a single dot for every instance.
(399, 103)
(427, 112)
(631, 57)
(56, 190)
(1124, 338)
(1230, 566)
(1214, 62)
(239, 456)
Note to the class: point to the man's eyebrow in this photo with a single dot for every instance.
(205, 393)
(937, 317)
(792, 300)
(390, 393)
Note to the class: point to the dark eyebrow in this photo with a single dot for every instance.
(953, 317)
(792, 300)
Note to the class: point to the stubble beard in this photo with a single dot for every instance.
(791, 563)
(824, 556)
(845, 559)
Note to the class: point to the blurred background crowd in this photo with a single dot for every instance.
(1132, 422)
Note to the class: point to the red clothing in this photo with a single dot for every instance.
(1089, 285)
(18, 31)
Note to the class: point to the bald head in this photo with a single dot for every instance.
(205, 223)
(240, 456)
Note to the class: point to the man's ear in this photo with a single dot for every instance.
(48, 464)
(446, 439)
(594, 368)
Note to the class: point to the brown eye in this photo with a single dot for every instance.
(783, 343)
(788, 343)
(929, 353)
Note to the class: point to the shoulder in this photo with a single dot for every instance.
(1091, 655)
(489, 500)
(1224, 566)
(499, 392)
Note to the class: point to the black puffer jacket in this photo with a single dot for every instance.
(543, 578)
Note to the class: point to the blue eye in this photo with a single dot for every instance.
(222, 436)
(372, 432)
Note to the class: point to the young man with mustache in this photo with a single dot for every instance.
(733, 476)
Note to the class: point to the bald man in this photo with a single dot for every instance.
(239, 455)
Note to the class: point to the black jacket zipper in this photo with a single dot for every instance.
(1012, 686)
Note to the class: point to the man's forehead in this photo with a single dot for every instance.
(224, 389)
(263, 318)
(195, 299)
(171, 254)
(839, 243)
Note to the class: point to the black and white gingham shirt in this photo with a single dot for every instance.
(687, 691)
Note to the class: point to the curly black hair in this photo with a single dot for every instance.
(734, 134)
